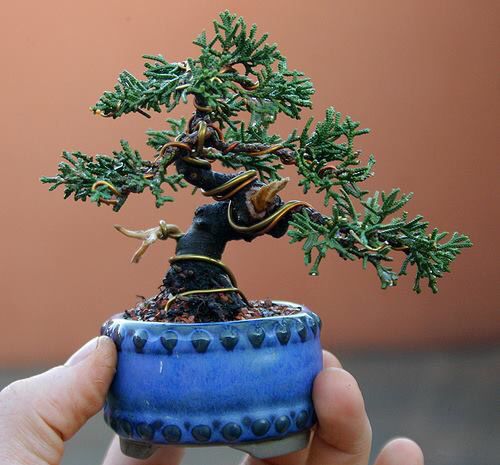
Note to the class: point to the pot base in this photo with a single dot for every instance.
(275, 447)
(137, 449)
(259, 449)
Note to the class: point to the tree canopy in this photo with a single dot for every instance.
(239, 73)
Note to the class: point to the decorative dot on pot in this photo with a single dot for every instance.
(140, 339)
(117, 337)
(256, 336)
(229, 338)
(301, 420)
(301, 330)
(282, 424)
(283, 333)
(126, 427)
(105, 328)
(169, 341)
(260, 427)
(200, 340)
(145, 431)
(231, 432)
(202, 433)
(172, 433)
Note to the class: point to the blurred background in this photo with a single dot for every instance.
(423, 75)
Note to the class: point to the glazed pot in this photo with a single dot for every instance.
(246, 384)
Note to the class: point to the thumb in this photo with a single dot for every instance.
(38, 414)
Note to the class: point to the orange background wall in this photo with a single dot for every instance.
(422, 74)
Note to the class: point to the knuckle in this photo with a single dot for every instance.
(12, 392)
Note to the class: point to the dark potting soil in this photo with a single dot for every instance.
(153, 310)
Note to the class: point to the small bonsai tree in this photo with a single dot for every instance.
(238, 75)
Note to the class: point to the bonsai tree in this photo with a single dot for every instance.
(238, 85)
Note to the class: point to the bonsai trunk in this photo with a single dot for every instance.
(198, 287)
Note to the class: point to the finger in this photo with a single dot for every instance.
(297, 458)
(168, 455)
(39, 413)
(330, 361)
(401, 451)
(344, 433)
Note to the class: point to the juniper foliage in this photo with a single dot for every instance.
(217, 81)
(239, 72)
(126, 169)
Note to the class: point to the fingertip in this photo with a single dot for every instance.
(340, 408)
(93, 375)
(330, 361)
(337, 388)
(399, 451)
(106, 352)
(101, 347)
(105, 341)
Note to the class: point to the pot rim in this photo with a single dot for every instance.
(117, 318)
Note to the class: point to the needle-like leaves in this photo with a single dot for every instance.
(238, 72)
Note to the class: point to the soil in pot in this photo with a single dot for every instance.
(154, 310)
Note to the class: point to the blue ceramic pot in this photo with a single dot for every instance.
(238, 383)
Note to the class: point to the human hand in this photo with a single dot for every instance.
(38, 414)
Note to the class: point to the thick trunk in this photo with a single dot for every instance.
(207, 237)
(208, 233)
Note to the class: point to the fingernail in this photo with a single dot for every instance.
(83, 352)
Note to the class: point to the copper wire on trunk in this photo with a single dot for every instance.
(264, 226)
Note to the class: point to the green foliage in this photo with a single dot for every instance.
(162, 87)
(367, 236)
(125, 171)
(371, 239)
(332, 141)
(264, 87)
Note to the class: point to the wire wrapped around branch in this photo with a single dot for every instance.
(236, 184)
(110, 186)
(205, 291)
(203, 258)
(264, 226)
